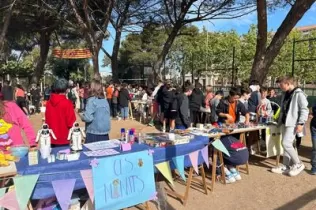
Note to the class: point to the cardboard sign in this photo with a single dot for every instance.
(123, 180)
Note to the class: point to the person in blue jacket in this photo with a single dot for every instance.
(97, 114)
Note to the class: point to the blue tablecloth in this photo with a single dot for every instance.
(71, 170)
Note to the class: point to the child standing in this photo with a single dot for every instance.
(124, 101)
(97, 114)
(60, 115)
(264, 109)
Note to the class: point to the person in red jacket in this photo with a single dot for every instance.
(60, 115)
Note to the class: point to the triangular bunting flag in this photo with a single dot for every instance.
(24, 186)
(9, 201)
(164, 168)
(63, 191)
(194, 160)
(179, 163)
(87, 179)
(204, 152)
(220, 146)
(2, 192)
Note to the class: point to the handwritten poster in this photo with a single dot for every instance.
(123, 180)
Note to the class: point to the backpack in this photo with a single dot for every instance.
(239, 153)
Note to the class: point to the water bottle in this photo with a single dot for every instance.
(122, 134)
(131, 137)
(140, 140)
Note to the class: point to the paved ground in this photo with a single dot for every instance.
(259, 190)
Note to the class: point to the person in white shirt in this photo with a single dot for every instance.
(264, 109)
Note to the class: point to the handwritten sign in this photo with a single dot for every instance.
(123, 180)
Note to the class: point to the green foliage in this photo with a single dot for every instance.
(212, 52)
(143, 48)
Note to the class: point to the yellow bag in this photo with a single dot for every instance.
(277, 114)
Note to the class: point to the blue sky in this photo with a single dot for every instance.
(241, 25)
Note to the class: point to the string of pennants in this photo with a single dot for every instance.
(18, 196)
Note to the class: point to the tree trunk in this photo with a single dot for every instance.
(172, 36)
(114, 57)
(265, 56)
(5, 29)
(44, 48)
(95, 62)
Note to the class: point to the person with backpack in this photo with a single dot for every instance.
(238, 155)
(182, 120)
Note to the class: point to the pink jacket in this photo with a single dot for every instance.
(15, 116)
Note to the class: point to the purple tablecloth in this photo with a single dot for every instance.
(71, 170)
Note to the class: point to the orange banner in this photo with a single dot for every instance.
(72, 53)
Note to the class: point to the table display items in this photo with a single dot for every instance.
(5, 143)
(166, 139)
(75, 136)
(44, 139)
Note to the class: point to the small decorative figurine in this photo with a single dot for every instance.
(75, 135)
(44, 138)
(5, 143)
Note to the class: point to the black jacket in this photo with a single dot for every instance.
(196, 99)
(123, 97)
(254, 101)
(223, 107)
(7, 93)
(183, 118)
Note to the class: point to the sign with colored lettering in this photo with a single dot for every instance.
(124, 180)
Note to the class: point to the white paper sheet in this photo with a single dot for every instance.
(103, 145)
(100, 153)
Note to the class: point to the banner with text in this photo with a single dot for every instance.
(124, 180)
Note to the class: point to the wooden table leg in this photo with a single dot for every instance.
(187, 188)
(221, 159)
(214, 168)
(130, 110)
(203, 179)
(277, 160)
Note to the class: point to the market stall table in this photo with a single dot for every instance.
(71, 170)
(216, 153)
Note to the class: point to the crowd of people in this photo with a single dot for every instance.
(171, 106)
(184, 107)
